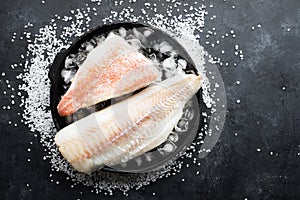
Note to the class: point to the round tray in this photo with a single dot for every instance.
(158, 160)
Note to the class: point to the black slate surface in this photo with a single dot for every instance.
(267, 117)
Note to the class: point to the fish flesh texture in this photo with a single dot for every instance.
(112, 69)
(128, 128)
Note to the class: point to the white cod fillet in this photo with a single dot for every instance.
(129, 128)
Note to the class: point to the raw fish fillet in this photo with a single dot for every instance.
(129, 128)
(112, 69)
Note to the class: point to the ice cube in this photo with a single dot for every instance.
(182, 125)
(69, 63)
(156, 47)
(138, 160)
(100, 39)
(93, 42)
(165, 47)
(135, 43)
(182, 63)
(189, 114)
(169, 64)
(122, 32)
(173, 137)
(68, 75)
(148, 32)
(148, 156)
(80, 57)
(139, 35)
(89, 48)
(166, 148)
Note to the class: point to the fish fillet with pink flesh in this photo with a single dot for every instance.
(112, 69)
(129, 128)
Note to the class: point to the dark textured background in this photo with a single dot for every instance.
(267, 117)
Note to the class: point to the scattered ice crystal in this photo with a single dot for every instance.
(34, 91)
